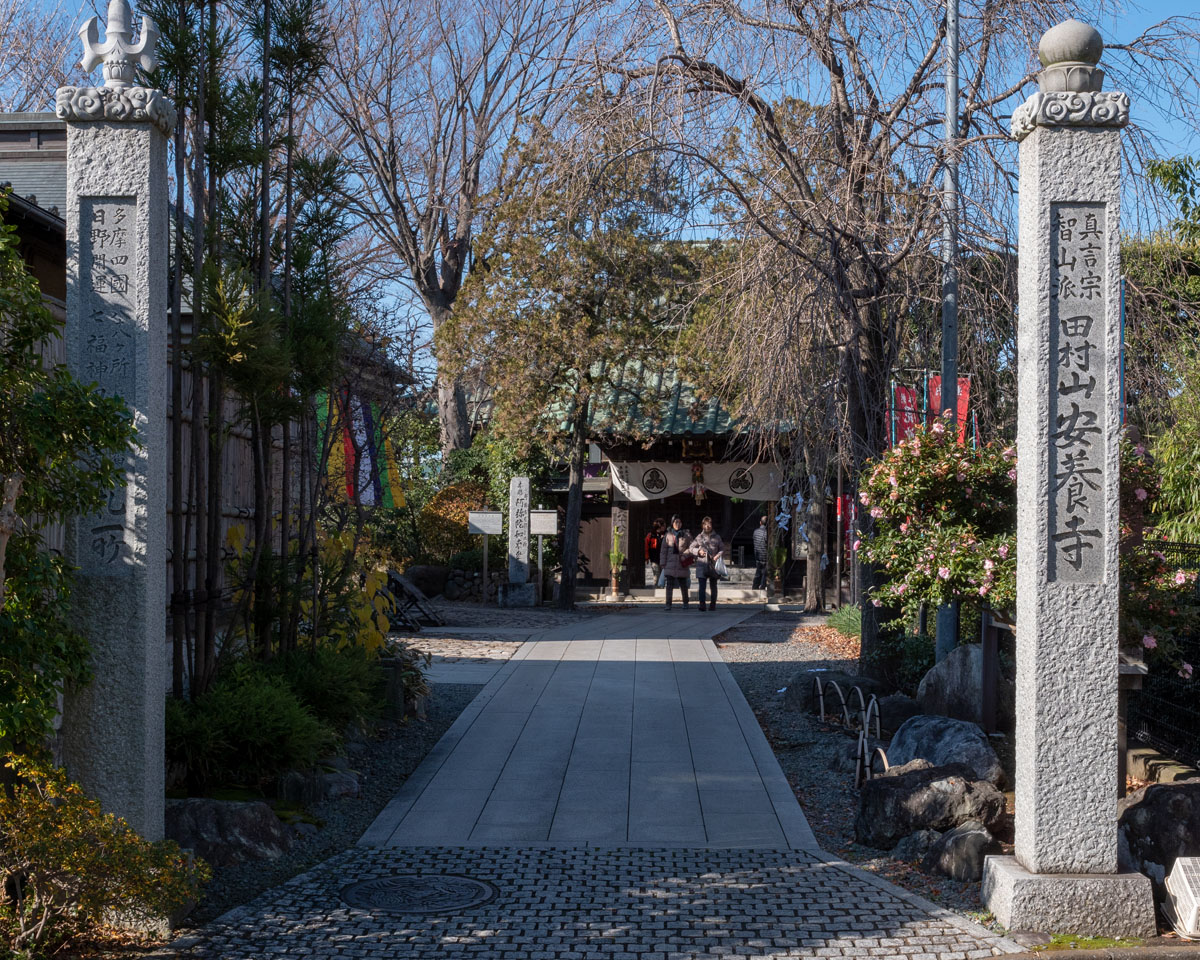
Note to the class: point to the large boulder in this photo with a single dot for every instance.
(953, 688)
(430, 580)
(936, 798)
(942, 740)
(225, 832)
(801, 690)
(1157, 825)
(959, 853)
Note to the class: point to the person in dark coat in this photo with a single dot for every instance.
(707, 548)
(674, 549)
(760, 556)
(654, 548)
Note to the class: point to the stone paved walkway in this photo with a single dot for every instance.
(613, 786)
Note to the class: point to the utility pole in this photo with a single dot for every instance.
(947, 616)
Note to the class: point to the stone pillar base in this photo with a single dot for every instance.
(517, 595)
(1087, 904)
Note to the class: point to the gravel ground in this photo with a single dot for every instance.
(765, 654)
(382, 765)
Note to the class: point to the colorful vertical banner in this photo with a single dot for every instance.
(361, 459)
(964, 395)
(905, 413)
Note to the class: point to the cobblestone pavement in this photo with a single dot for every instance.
(580, 903)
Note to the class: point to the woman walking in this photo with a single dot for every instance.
(707, 548)
(675, 560)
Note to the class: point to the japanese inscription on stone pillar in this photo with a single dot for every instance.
(107, 262)
(1078, 426)
(518, 530)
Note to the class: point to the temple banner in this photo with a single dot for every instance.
(654, 480)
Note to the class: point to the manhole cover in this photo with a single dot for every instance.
(422, 893)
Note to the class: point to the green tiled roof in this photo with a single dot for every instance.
(649, 399)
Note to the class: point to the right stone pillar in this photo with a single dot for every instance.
(1064, 876)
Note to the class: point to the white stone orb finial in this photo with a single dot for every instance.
(119, 54)
(1069, 53)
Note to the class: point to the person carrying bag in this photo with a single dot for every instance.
(708, 549)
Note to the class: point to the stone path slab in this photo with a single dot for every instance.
(584, 903)
(620, 729)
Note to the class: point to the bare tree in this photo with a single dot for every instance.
(428, 96)
(815, 126)
(37, 56)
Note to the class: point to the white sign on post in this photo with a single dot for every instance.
(543, 523)
(485, 521)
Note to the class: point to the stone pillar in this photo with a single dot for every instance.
(1064, 876)
(116, 336)
(518, 592)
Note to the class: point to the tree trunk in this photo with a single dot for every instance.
(264, 225)
(290, 569)
(570, 540)
(178, 533)
(10, 489)
(454, 421)
(201, 599)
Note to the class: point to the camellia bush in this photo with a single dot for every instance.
(945, 521)
(945, 530)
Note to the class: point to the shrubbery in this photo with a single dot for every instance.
(846, 620)
(65, 866)
(341, 688)
(443, 522)
(246, 730)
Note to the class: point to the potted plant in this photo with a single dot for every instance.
(616, 557)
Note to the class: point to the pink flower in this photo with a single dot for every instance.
(866, 500)
(877, 512)
(938, 428)
(902, 588)
(983, 591)
(960, 477)
(1009, 453)
(1140, 493)
(893, 481)
(1149, 642)
(944, 573)
(1003, 551)
(904, 527)
(1159, 555)
(1012, 474)
(988, 564)
(877, 603)
(1180, 578)
(894, 495)
(857, 545)
(1140, 449)
(1186, 671)
(916, 447)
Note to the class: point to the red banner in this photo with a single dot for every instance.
(906, 411)
(935, 403)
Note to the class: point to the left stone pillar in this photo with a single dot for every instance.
(116, 337)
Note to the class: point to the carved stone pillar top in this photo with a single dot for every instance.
(1070, 84)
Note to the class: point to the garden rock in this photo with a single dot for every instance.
(1156, 825)
(959, 853)
(915, 845)
(453, 591)
(942, 740)
(801, 696)
(936, 798)
(896, 708)
(918, 764)
(339, 784)
(429, 579)
(303, 788)
(953, 688)
(225, 832)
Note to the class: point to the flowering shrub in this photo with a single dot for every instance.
(945, 529)
(945, 520)
(65, 865)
